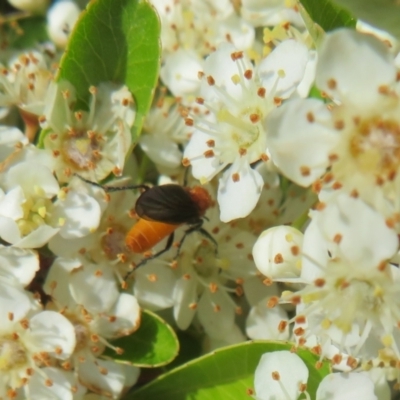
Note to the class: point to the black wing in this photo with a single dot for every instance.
(167, 203)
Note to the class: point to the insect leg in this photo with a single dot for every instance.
(112, 188)
(210, 238)
(197, 227)
(146, 259)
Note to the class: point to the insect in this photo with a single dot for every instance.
(161, 210)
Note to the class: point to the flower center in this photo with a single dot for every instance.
(12, 354)
(113, 242)
(82, 335)
(35, 211)
(376, 147)
(81, 149)
(205, 260)
(242, 132)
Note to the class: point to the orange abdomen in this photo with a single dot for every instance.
(144, 235)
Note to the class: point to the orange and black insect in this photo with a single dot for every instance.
(161, 210)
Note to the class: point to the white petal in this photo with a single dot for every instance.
(316, 253)
(62, 385)
(222, 68)
(161, 150)
(153, 286)
(14, 302)
(255, 290)
(216, 312)
(240, 32)
(10, 203)
(303, 88)
(180, 72)
(19, 264)
(126, 318)
(185, 297)
(80, 215)
(284, 68)
(9, 230)
(238, 199)
(202, 167)
(57, 278)
(358, 65)
(263, 322)
(31, 176)
(299, 146)
(348, 217)
(61, 18)
(277, 252)
(51, 332)
(292, 372)
(131, 373)
(349, 386)
(94, 286)
(37, 238)
(103, 377)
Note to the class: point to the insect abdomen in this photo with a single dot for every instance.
(144, 235)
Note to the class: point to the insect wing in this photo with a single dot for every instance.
(167, 203)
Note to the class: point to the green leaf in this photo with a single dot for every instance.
(328, 15)
(154, 344)
(384, 14)
(227, 373)
(117, 41)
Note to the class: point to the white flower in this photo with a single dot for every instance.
(105, 243)
(277, 252)
(29, 189)
(201, 25)
(89, 296)
(30, 339)
(232, 135)
(163, 131)
(357, 139)
(30, 212)
(26, 81)
(201, 282)
(280, 375)
(351, 294)
(61, 18)
(94, 143)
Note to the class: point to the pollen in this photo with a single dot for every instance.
(236, 177)
(331, 84)
(210, 143)
(305, 171)
(339, 125)
(254, 118)
(310, 117)
(210, 80)
(248, 74)
(275, 376)
(261, 92)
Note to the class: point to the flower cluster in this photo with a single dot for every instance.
(295, 143)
